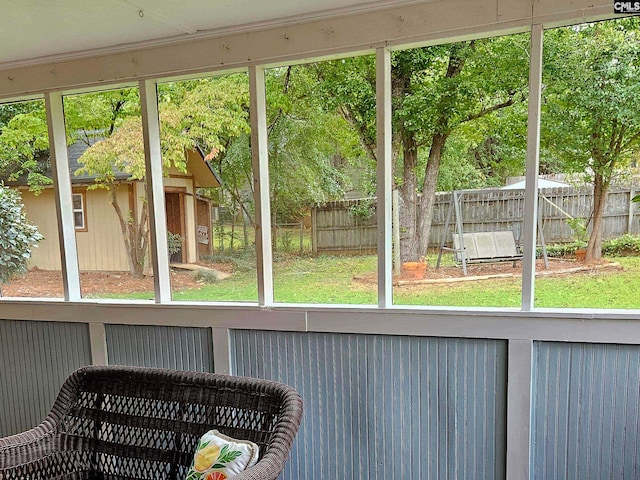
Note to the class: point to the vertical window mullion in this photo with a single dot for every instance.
(155, 190)
(63, 194)
(260, 157)
(384, 175)
(533, 162)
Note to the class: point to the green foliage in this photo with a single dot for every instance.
(579, 227)
(591, 114)
(17, 236)
(174, 242)
(308, 144)
(244, 261)
(440, 94)
(622, 246)
(23, 143)
(591, 104)
(363, 209)
(560, 250)
(616, 247)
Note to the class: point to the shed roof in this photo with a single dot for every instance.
(203, 173)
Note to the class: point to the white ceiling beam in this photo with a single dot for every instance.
(413, 24)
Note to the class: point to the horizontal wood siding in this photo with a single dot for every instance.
(385, 407)
(35, 359)
(586, 411)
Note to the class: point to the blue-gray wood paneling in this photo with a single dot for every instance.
(586, 407)
(35, 359)
(180, 348)
(387, 407)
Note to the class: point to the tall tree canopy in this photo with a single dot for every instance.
(436, 91)
(591, 116)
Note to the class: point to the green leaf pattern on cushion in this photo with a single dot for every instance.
(208, 461)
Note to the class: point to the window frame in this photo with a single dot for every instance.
(83, 210)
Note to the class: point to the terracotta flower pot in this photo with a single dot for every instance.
(415, 270)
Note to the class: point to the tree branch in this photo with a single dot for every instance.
(487, 111)
(360, 127)
(629, 142)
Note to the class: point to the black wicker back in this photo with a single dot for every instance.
(139, 423)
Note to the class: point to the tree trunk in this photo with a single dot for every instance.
(134, 235)
(429, 187)
(600, 189)
(409, 246)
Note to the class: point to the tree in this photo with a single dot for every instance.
(122, 152)
(436, 91)
(23, 141)
(305, 141)
(17, 236)
(591, 114)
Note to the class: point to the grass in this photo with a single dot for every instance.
(329, 280)
(613, 290)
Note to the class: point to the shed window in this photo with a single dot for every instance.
(79, 212)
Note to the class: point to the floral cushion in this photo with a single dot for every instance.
(218, 457)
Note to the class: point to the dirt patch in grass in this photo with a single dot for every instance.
(482, 271)
(48, 284)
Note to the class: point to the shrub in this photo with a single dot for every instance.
(17, 236)
(616, 247)
(206, 276)
(243, 261)
(560, 250)
(624, 245)
(174, 243)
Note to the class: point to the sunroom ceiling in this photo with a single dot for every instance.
(35, 29)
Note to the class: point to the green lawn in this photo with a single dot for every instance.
(329, 280)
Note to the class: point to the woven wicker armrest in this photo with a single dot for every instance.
(140, 423)
(26, 447)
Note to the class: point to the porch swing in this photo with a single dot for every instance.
(482, 247)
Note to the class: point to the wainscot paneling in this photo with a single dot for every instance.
(180, 348)
(586, 407)
(389, 407)
(35, 359)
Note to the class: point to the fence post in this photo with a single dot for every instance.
(314, 231)
(396, 233)
(301, 236)
(630, 228)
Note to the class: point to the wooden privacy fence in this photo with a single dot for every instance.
(342, 228)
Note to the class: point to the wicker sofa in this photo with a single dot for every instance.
(141, 423)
